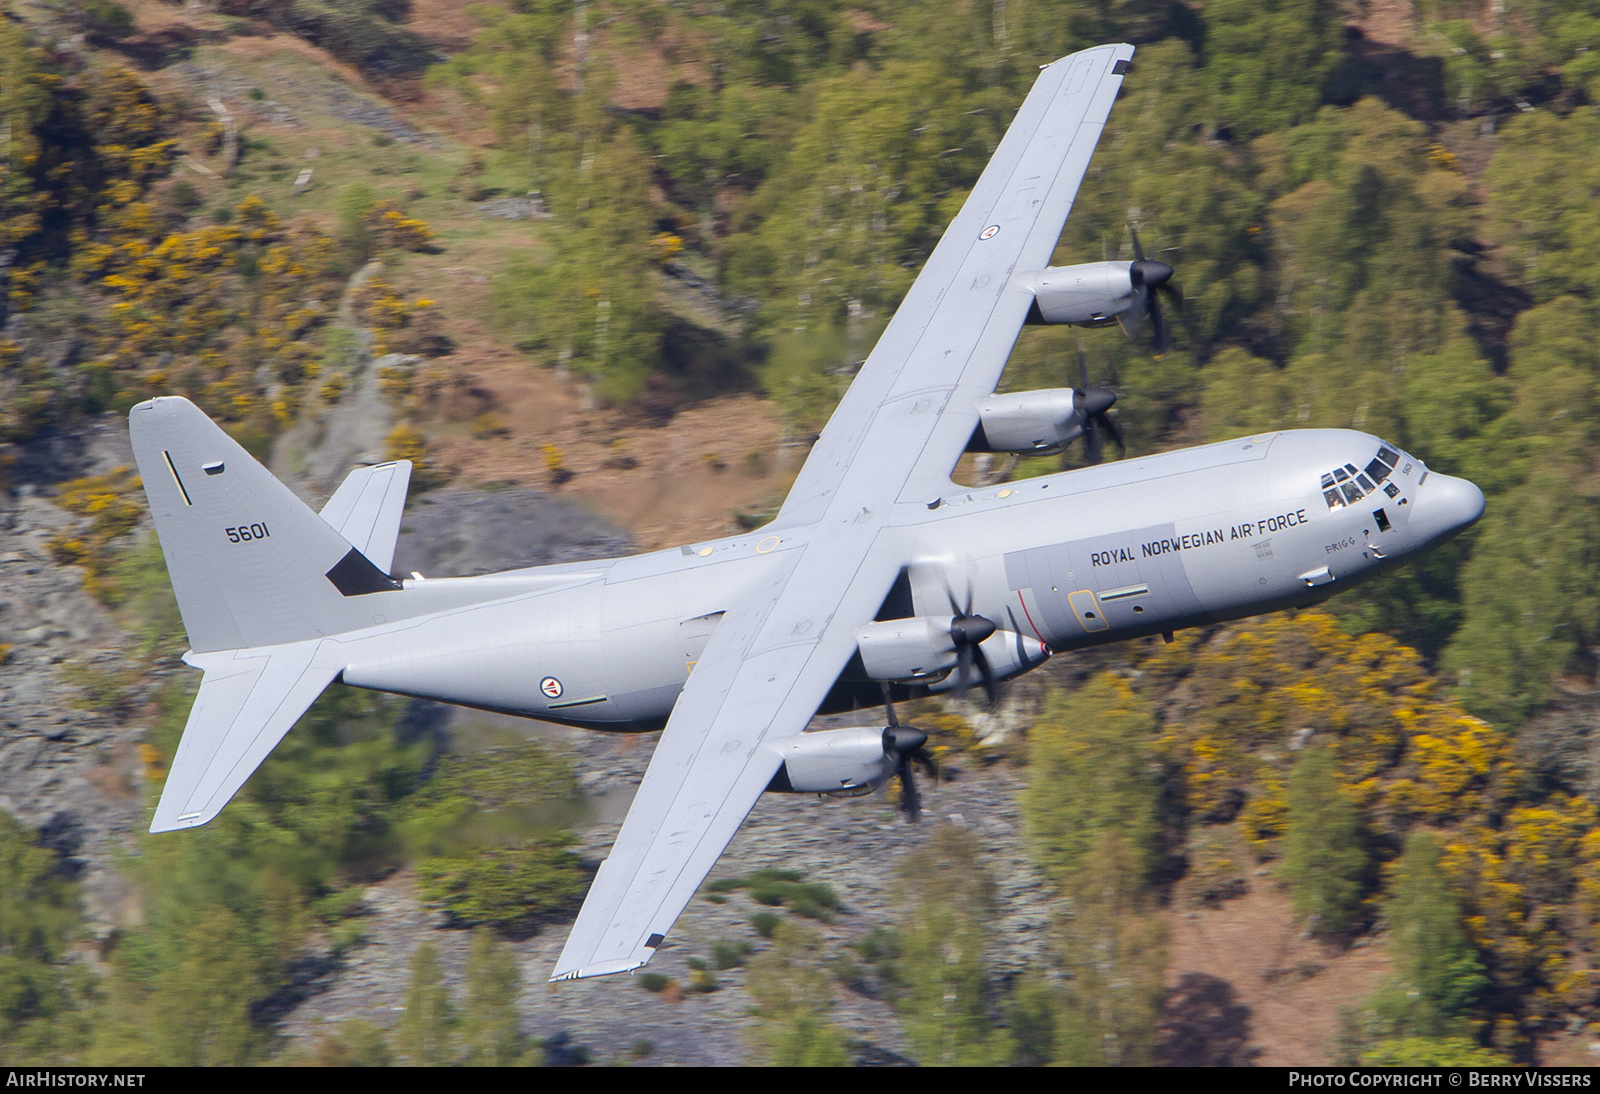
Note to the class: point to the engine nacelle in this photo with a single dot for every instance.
(1008, 653)
(907, 650)
(1092, 293)
(1040, 422)
(840, 762)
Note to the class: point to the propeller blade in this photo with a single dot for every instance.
(910, 800)
(1133, 317)
(1110, 425)
(905, 743)
(1091, 434)
(1163, 337)
(991, 686)
(1138, 251)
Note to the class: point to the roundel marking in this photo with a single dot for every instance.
(990, 232)
(766, 545)
(551, 687)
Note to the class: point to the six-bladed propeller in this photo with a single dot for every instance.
(1151, 278)
(906, 744)
(1093, 404)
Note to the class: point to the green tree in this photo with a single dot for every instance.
(947, 902)
(491, 1032)
(793, 994)
(1438, 976)
(41, 994)
(1325, 858)
(1092, 769)
(1266, 62)
(427, 1030)
(1113, 947)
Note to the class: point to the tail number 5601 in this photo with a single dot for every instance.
(246, 532)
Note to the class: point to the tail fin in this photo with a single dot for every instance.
(248, 700)
(251, 564)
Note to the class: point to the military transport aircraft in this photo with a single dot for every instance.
(878, 578)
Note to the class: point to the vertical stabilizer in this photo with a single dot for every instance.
(250, 563)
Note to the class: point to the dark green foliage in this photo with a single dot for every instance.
(783, 889)
(1092, 769)
(729, 955)
(41, 991)
(1325, 859)
(793, 996)
(1438, 975)
(765, 923)
(1266, 61)
(1433, 1052)
(487, 826)
(1113, 949)
(654, 982)
(511, 888)
(491, 1033)
(945, 996)
(426, 1035)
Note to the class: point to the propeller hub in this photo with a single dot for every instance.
(1150, 272)
(969, 630)
(1097, 400)
(903, 740)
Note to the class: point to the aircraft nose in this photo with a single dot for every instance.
(1445, 505)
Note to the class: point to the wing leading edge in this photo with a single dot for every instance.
(902, 425)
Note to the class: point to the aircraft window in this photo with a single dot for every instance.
(1351, 494)
(1327, 481)
(1333, 498)
(1378, 470)
(1338, 473)
(1391, 489)
(1389, 456)
(1382, 518)
(1350, 467)
(1365, 484)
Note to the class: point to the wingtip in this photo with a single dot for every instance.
(602, 968)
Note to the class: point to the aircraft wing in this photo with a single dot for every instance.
(892, 442)
(761, 677)
(911, 410)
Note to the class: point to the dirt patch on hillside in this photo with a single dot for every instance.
(446, 24)
(678, 483)
(1294, 987)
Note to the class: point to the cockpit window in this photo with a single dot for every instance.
(1346, 484)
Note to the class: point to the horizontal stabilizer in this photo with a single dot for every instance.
(366, 509)
(248, 700)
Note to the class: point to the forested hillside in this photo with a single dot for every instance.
(1383, 215)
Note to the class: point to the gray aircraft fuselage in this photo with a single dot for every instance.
(1118, 551)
